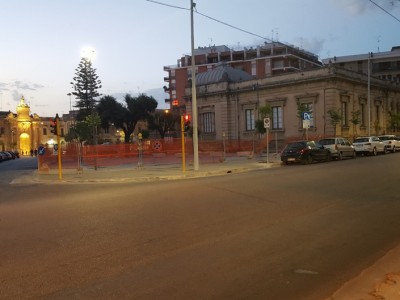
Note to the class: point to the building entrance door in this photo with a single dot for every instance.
(25, 144)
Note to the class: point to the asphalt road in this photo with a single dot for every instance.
(295, 232)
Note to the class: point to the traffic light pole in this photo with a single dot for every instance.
(59, 147)
(183, 144)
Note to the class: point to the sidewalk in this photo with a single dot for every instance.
(151, 172)
(380, 281)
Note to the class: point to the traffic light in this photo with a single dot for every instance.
(187, 122)
(53, 125)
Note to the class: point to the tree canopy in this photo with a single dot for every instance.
(126, 116)
(85, 84)
(164, 121)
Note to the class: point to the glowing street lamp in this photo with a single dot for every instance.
(88, 53)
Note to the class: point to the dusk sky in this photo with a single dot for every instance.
(41, 40)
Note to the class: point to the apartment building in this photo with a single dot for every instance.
(267, 60)
(383, 65)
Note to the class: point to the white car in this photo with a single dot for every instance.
(339, 147)
(391, 142)
(369, 145)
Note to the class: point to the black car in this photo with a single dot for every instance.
(305, 152)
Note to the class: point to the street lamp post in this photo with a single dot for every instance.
(369, 93)
(70, 106)
(194, 97)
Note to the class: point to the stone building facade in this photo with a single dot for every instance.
(229, 109)
(24, 131)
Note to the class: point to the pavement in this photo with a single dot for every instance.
(381, 281)
(154, 171)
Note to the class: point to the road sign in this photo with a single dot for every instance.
(306, 115)
(267, 122)
(306, 124)
(41, 150)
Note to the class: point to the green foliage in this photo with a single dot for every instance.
(393, 121)
(80, 132)
(163, 121)
(93, 120)
(126, 117)
(145, 134)
(335, 117)
(265, 112)
(85, 84)
(260, 126)
(302, 108)
(355, 117)
(355, 120)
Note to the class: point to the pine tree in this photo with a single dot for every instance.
(85, 84)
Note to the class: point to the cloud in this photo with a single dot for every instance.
(17, 88)
(19, 85)
(16, 95)
(314, 45)
(359, 7)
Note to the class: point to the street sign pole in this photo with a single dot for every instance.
(267, 145)
(267, 124)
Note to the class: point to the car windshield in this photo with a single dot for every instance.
(327, 142)
(361, 140)
(386, 138)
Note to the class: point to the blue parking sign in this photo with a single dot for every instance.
(41, 150)
(306, 115)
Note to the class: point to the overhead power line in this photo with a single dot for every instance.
(397, 19)
(213, 19)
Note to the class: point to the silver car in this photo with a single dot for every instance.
(391, 142)
(339, 147)
(369, 145)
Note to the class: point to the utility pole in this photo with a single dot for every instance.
(194, 97)
(369, 93)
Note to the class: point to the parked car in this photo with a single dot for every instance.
(369, 145)
(391, 142)
(305, 152)
(13, 156)
(5, 155)
(339, 147)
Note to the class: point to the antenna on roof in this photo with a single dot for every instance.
(379, 39)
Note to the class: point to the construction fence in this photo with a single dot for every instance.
(156, 151)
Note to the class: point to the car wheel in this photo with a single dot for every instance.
(374, 152)
(354, 154)
(385, 150)
(307, 160)
(328, 157)
(340, 156)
